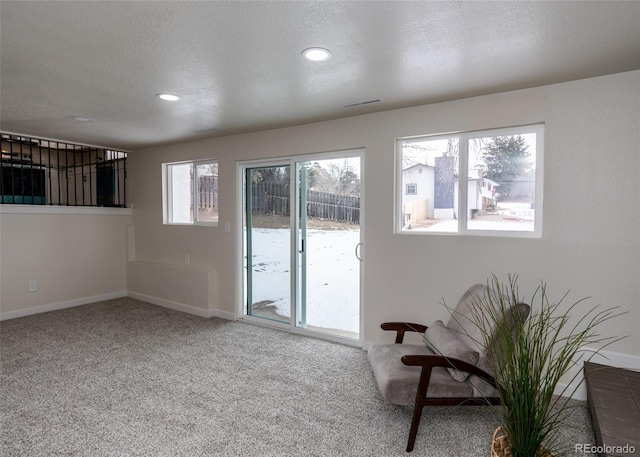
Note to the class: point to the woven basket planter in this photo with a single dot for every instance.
(500, 446)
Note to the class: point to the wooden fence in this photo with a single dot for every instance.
(414, 212)
(208, 192)
(273, 198)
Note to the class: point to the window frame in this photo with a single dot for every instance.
(463, 181)
(167, 195)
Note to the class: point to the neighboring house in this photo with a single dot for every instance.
(483, 194)
(419, 187)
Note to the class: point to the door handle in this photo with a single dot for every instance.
(358, 251)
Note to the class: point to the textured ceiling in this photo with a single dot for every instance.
(237, 64)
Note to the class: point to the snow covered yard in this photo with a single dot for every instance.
(333, 275)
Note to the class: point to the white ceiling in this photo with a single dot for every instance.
(237, 64)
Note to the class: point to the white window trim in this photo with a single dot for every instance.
(167, 213)
(463, 173)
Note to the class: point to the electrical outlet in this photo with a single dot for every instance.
(32, 285)
(187, 259)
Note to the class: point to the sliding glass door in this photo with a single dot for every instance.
(268, 242)
(303, 216)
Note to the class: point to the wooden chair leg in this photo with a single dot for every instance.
(415, 422)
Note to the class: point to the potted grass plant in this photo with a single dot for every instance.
(529, 362)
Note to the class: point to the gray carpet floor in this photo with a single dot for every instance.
(126, 378)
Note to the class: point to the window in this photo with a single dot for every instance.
(191, 192)
(37, 171)
(474, 183)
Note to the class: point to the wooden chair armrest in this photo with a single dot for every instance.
(402, 327)
(431, 361)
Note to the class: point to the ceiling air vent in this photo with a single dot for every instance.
(368, 102)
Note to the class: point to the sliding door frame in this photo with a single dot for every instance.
(292, 161)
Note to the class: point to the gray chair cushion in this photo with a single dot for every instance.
(448, 343)
(398, 382)
(462, 322)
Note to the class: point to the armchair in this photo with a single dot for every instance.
(450, 369)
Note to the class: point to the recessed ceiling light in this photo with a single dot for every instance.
(316, 54)
(82, 119)
(168, 97)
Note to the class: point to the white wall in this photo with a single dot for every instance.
(184, 288)
(75, 255)
(590, 243)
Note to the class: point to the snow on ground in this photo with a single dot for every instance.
(333, 275)
(511, 216)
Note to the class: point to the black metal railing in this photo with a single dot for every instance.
(38, 171)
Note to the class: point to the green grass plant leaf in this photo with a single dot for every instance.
(530, 359)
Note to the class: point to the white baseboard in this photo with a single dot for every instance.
(123, 293)
(172, 305)
(182, 307)
(613, 359)
(225, 315)
(61, 305)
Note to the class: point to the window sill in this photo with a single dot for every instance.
(49, 209)
(192, 224)
(473, 233)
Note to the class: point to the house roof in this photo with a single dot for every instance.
(417, 165)
(237, 65)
